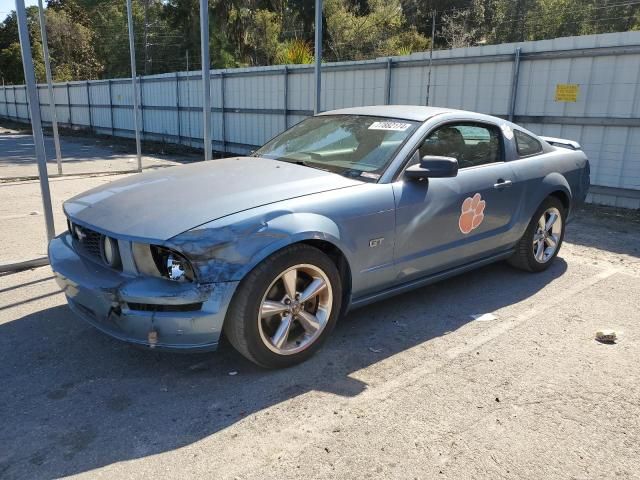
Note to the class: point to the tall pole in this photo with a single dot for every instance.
(206, 78)
(134, 82)
(189, 102)
(318, 53)
(52, 100)
(433, 37)
(36, 121)
(145, 4)
(514, 83)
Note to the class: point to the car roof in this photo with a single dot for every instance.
(420, 113)
(406, 112)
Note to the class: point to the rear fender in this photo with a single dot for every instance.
(551, 183)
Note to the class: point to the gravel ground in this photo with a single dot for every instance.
(411, 387)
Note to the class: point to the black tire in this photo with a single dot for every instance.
(241, 326)
(523, 257)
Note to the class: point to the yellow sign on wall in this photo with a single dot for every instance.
(567, 92)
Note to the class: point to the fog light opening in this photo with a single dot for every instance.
(110, 252)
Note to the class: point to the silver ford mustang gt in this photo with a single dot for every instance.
(345, 208)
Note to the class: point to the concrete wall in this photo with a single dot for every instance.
(251, 105)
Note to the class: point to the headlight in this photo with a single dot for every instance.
(162, 262)
(172, 265)
(178, 268)
(110, 252)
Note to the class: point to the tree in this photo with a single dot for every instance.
(10, 53)
(463, 28)
(359, 33)
(71, 48)
(263, 35)
(89, 38)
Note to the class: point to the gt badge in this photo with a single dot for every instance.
(472, 213)
(376, 242)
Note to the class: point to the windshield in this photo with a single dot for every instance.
(351, 145)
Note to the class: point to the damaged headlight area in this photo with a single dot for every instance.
(157, 261)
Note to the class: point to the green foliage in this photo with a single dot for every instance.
(89, 38)
(71, 48)
(295, 52)
(500, 21)
(10, 54)
(381, 29)
(263, 34)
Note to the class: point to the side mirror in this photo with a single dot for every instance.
(433, 167)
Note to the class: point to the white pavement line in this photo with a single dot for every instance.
(411, 376)
(22, 215)
(623, 268)
(553, 301)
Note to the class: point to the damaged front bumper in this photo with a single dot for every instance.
(146, 311)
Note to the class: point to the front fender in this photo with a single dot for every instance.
(222, 253)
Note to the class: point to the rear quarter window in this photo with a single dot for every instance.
(526, 144)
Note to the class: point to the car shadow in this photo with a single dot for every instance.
(74, 400)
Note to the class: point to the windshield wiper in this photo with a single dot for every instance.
(303, 163)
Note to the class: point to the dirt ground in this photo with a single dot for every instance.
(411, 387)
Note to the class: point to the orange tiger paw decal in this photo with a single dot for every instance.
(472, 213)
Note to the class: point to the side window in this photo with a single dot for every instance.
(526, 144)
(471, 144)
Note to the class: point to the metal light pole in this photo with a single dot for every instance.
(514, 83)
(132, 51)
(52, 100)
(206, 78)
(318, 53)
(36, 121)
(433, 37)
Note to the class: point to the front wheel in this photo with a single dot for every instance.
(543, 238)
(285, 308)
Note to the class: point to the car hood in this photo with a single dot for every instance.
(161, 204)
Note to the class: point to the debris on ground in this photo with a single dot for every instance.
(375, 350)
(233, 372)
(606, 336)
(200, 366)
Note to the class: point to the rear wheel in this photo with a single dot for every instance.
(285, 308)
(543, 238)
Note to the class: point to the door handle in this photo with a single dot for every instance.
(502, 183)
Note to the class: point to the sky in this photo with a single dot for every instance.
(7, 5)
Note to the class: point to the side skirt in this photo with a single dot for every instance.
(421, 282)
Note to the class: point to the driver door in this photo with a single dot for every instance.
(442, 223)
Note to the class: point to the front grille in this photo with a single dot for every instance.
(89, 241)
(148, 307)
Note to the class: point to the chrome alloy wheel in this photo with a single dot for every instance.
(547, 235)
(295, 309)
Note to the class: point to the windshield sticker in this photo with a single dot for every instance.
(506, 129)
(472, 213)
(392, 126)
(374, 176)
